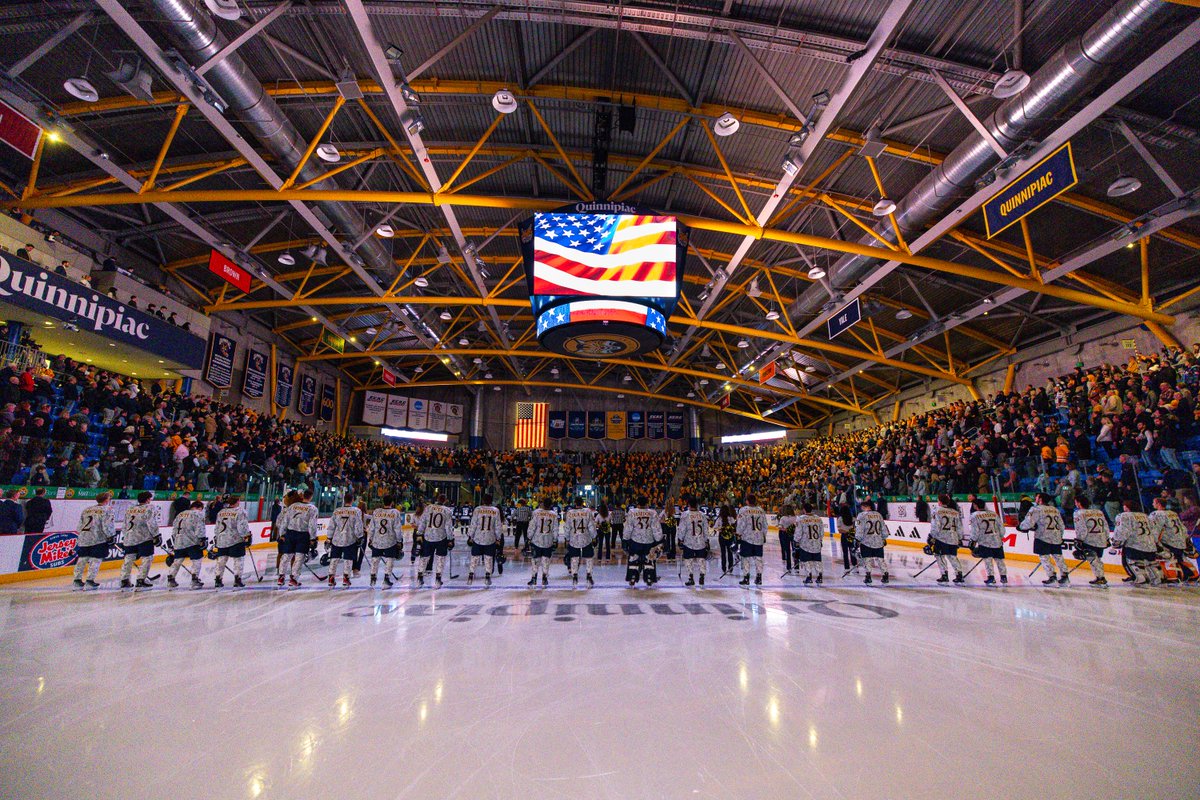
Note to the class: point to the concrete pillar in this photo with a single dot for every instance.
(476, 439)
(695, 436)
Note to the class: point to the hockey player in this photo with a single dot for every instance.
(645, 535)
(668, 521)
(97, 529)
(299, 523)
(787, 538)
(871, 535)
(345, 532)
(1133, 533)
(946, 531)
(231, 535)
(1091, 538)
(138, 538)
(1047, 526)
(521, 516)
(485, 536)
(693, 538)
(543, 537)
(580, 524)
(987, 541)
(436, 525)
(188, 541)
(809, 540)
(386, 540)
(1170, 533)
(752, 534)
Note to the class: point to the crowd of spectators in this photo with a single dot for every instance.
(623, 477)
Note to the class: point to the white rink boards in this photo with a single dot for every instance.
(844, 691)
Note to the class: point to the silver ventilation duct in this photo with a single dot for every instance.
(1063, 81)
(193, 32)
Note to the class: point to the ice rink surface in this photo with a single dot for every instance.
(906, 691)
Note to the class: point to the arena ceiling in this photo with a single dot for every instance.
(863, 98)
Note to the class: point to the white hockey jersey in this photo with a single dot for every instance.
(693, 530)
(141, 525)
(1091, 527)
(869, 529)
(1168, 529)
(346, 526)
(232, 527)
(97, 525)
(543, 528)
(810, 533)
(1133, 531)
(485, 525)
(752, 525)
(436, 524)
(986, 529)
(580, 524)
(188, 529)
(386, 527)
(1045, 522)
(946, 526)
(642, 526)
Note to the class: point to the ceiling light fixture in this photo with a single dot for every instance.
(772, 313)
(81, 89)
(720, 365)
(816, 273)
(287, 259)
(463, 342)
(1123, 185)
(445, 316)
(419, 370)
(742, 344)
(504, 101)
(329, 152)
(386, 231)
(810, 369)
(420, 281)
(691, 394)
(904, 313)
(726, 125)
(487, 376)
(883, 207)
(225, 9)
(1010, 83)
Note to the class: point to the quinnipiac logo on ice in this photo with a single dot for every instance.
(52, 550)
(84, 305)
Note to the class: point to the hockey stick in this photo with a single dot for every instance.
(1035, 569)
(927, 566)
(972, 569)
(737, 559)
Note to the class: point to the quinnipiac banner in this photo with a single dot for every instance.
(307, 402)
(254, 381)
(218, 367)
(595, 424)
(558, 424)
(283, 384)
(328, 402)
(635, 426)
(577, 424)
(654, 425)
(674, 424)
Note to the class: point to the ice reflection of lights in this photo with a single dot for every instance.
(773, 711)
(308, 745)
(343, 710)
(437, 692)
(812, 737)
(256, 785)
(424, 712)
(41, 685)
(899, 715)
(743, 678)
(858, 686)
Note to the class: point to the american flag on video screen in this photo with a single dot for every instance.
(531, 426)
(613, 255)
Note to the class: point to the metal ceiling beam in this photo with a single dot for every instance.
(449, 47)
(244, 36)
(1150, 160)
(60, 36)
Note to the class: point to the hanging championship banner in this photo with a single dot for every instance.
(615, 427)
(654, 425)
(283, 384)
(375, 408)
(595, 424)
(306, 402)
(418, 414)
(328, 402)
(437, 416)
(576, 424)
(397, 411)
(558, 424)
(254, 381)
(218, 367)
(454, 418)
(636, 426)
(674, 424)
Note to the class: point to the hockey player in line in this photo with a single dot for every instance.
(987, 541)
(484, 535)
(645, 536)
(871, 535)
(299, 524)
(1141, 549)
(137, 538)
(436, 527)
(946, 530)
(693, 538)
(188, 541)
(1091, 538)
(97, 528)
(809, 539)
(386, 540)
(1170, 533)
(1047, 526)
(231, 535)
(752, 535)
(580, 524)
(543, 537)
(345, 532)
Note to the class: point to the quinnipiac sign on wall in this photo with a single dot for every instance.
(30, 287)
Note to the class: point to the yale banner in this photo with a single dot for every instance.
(1043, 182)
(615, 424)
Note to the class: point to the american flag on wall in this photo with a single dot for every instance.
(613, 255)
(531, 426)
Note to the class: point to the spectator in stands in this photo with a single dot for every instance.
(133, 301)
(26, 252)
(61, 269)
(181, 503)
(38, 511)
(11, 514)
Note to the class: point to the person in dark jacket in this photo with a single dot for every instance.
(11, 513)
(37, 512)
(181, 504)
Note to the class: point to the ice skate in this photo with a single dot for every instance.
(944, 579)
(218, 582)
(470, 578)
(487, 579)
(387, 581)
(237, 583)
(144, 584)
(171, 582)
(91, 585)
(1003, 579)
(374, 578)
(437, 581)
(959, 578)
(701, 578)
(77, 583)
(574, 581)
(345, 581)
(533, 580)
(885, 578)
(293, 583)
(1098, 582)
(758, 580)
(990, 581)
(745, 581)
(280, 581)
(691, 581)
(331, 580)
(820, 579)
(197, 583)
(545, 580)
(808, 580)
(126, 583)
(420, 579)
(1051, 581)
(590, 582)
(867, 580)
(1064, 580)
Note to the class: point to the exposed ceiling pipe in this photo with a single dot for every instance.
(194, 33)
(1066, 77)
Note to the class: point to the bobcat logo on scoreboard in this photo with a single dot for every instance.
(600, 344)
